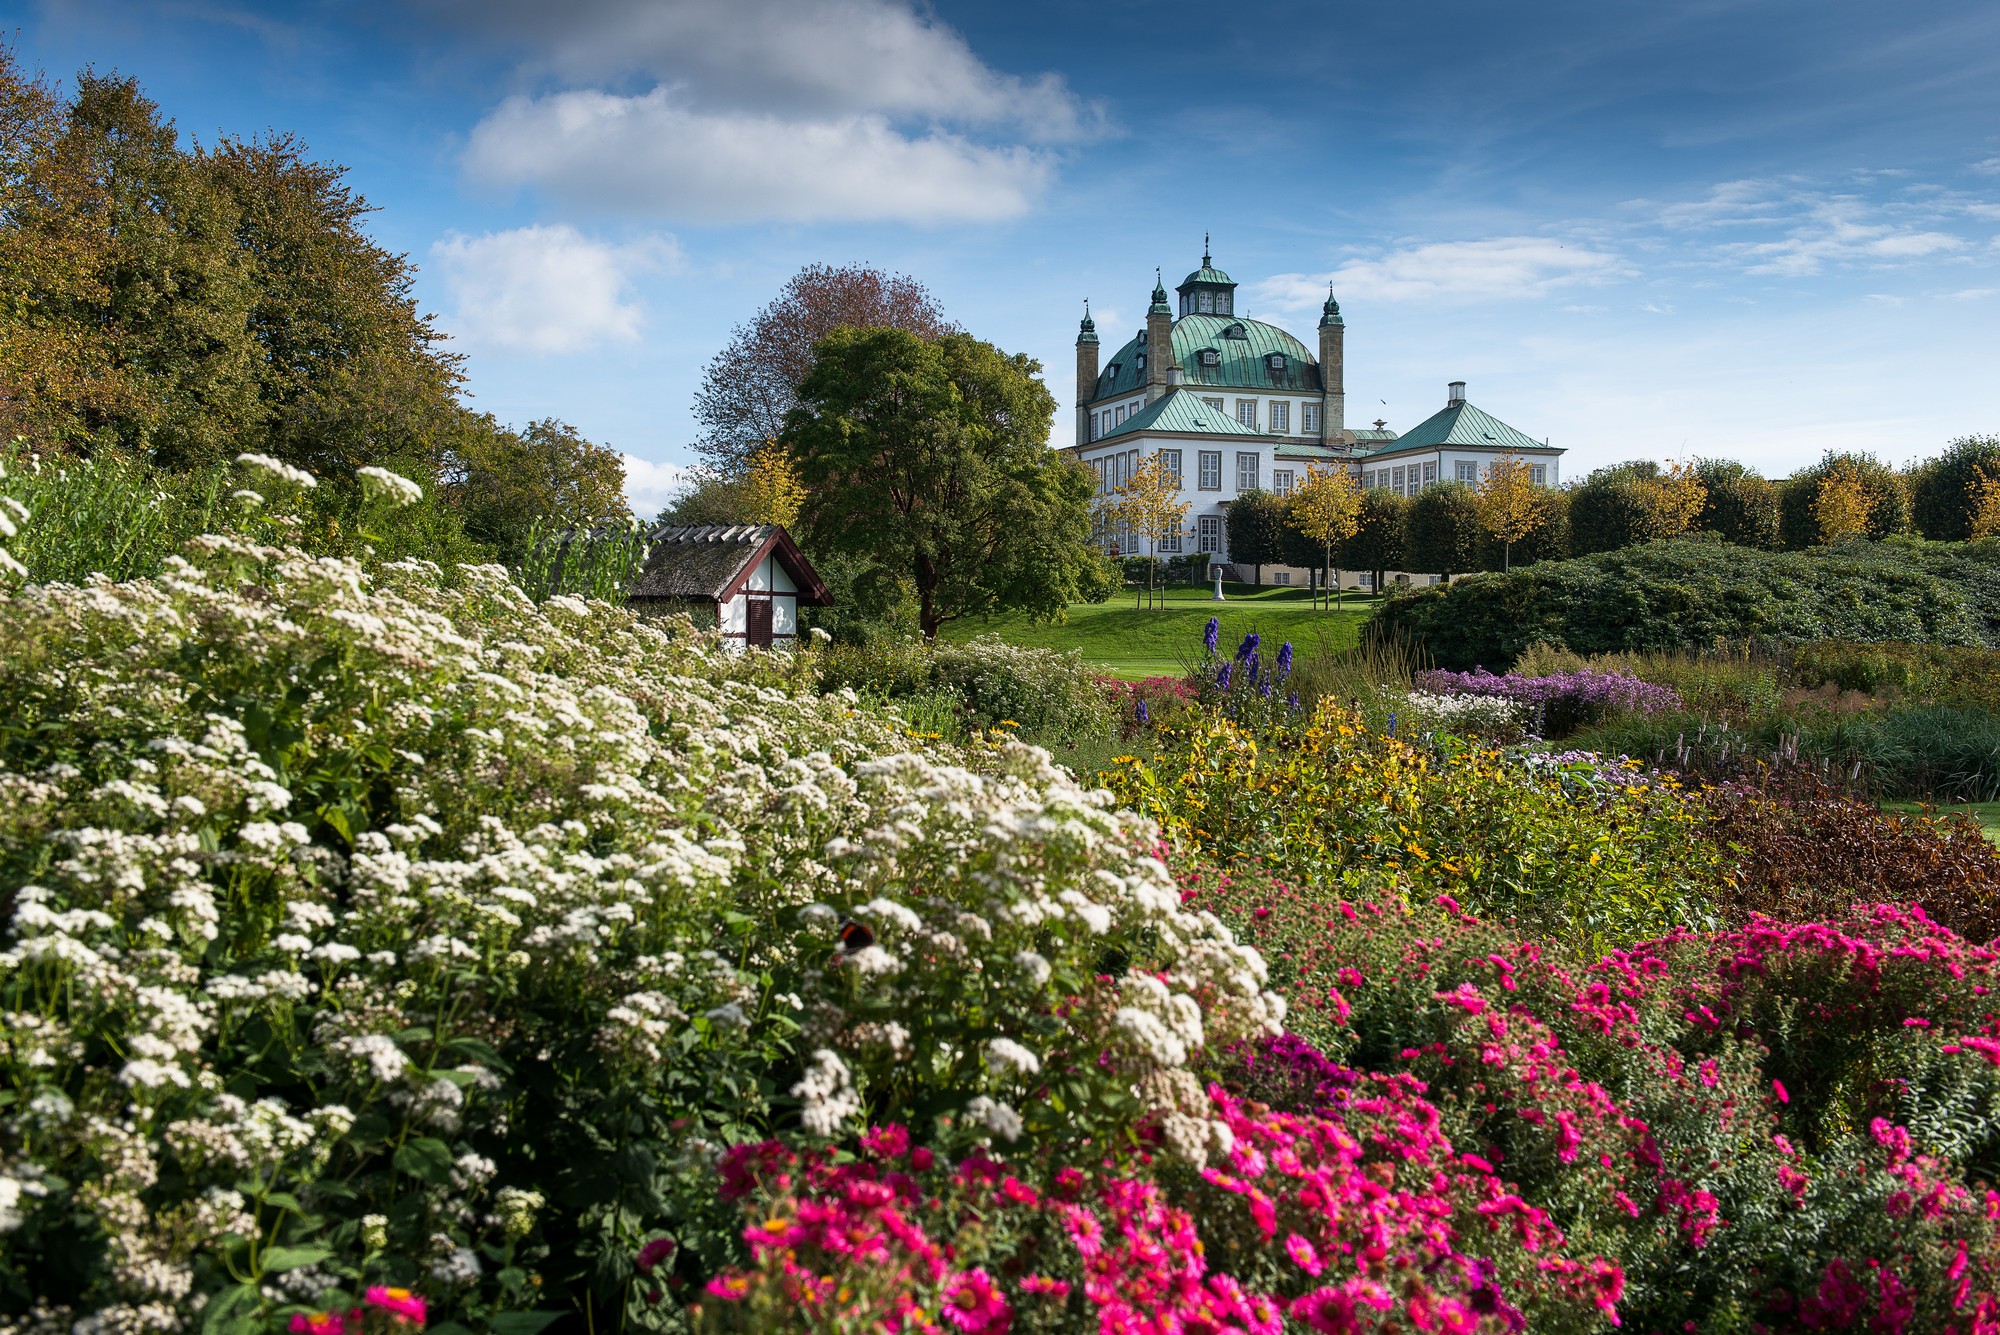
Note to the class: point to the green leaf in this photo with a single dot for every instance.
(521, 1323)
(280, 1259)
(231, 1307)
(426, 1158)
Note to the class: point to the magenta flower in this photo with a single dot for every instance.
(974, 1305)
(654, 1252)
(400, 1304)
(318, 1323)
(1303, 1255)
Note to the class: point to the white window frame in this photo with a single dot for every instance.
(1281, 481)
(1430, 473)
(1538, 475)
(1246, 413)
(1208, 531)
(1465, 470)
(1281, 577)
(1210, 476)
(1309, 418)
(1171, 461)
(1281, 417)
(1249, 463)
(1215, 404)
(1204, 303)
(1223, 302)
(1397, 481)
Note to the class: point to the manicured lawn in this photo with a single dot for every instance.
(1986, 813)
(1132, 642)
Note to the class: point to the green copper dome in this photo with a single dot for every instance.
(1224, 351)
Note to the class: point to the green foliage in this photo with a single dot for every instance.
(1606, 510)
(116, 515)
(1888, 498)
(510, 486)
(1052, 697)
(1443, 535)
(1692, 595)
(1740, 504)
(598, 563)
(1257, 532)
(1944, 490)
(1378, 544)
(930, 461)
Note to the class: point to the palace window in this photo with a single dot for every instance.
(1209, 358)
(1223, 301)
(1210, 477)
(1120, 417)
(1214, 403)
(1246, 412)
(1468, 471)
(1281, 481)
(1234, 331)
(1249, 467)
(1170, 545)
(1538, 474)
(1170, 464)
(1430, 473)
(1205, 303)
(1208, 533)
(1277, 363)
(1309, 418)
(1396, 481)
(1281, 419)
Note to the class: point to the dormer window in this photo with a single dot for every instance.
(1141, 361)
(1209, 358)
(1234, 331)
(1277, 363)
(1111, 373)
(1207, 303)
(1223, 302)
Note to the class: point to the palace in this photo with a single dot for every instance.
(1235, 405)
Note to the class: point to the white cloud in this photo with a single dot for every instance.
(653, 153)
(545, 289)
(1972, 294)
(649, 486)
(792, 110)
(1503, 268)
(1990, 167)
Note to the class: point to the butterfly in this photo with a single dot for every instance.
(854, 938)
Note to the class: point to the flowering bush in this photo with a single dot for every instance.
(1774, 1125)
(1326, 801)
(1051, 696)
(1562, 703)
(1466, 715)
(1361, 1217)
(378, 931)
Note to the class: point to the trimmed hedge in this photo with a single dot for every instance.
(1690, 594)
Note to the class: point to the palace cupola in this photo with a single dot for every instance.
(1208, 290)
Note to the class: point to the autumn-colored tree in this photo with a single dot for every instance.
(1326, 508)
(1843, 505)
(749, 387)
(1669, 501)
(773, 493)
(1149, 504)
(1509, 504)
(1984, 504)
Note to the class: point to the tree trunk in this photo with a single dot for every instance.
(928, 620)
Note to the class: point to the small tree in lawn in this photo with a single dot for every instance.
(1509, 506)
(1148, 504)
(1844, 504)
(772, 491)
(1327, 509)
(1256, 526)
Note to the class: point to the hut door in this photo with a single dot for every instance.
(757, 622)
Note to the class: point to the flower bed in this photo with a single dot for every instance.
(1561, 703)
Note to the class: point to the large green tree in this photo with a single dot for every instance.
(1945, 492)
(1256, 526)
(1443, 535)
(1740, 504)
(930, 458)
(1378, 544)
(503, 480)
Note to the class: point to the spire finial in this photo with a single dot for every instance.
(1205, 261)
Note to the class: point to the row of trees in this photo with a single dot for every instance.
(184, 304)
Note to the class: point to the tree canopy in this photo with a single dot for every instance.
(928, 458)
(1256, 525)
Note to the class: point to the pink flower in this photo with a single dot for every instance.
(1044, 1287)
(974, 1305)
(729, 1288)
(1303, 1255)
(333, 1323)
(1778, 1088)
(654, 1252)
(400, 1304)
(885, 1142)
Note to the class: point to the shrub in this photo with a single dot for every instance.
(1923, 673)
(1691, 595)
(1749, 1124)
(1884, 494)
(1049, 694)
(1562, 703)
(1729, 680)
(1324, 800)
(1442, 534)
(1485, 716)
(384, 932)
(1799, 851)
(1945, 491)
(1737, 503)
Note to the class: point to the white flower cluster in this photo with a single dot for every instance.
(278, 470)
(1471, 715)
(559, 811)
(381, 484)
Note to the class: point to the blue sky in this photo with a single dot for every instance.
(1756, 230)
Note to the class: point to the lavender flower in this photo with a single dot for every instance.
(1265, 689)
(1212, 634)
(1141, 713)
(1222, 677)
(1285, 659)
(1255, 665)
(1248, 647)
(1565, 700)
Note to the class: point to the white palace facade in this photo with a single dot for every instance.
(1235, 405)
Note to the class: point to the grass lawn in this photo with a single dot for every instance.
(1131, 642)
(1986, 813)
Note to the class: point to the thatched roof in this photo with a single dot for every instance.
(711, 562)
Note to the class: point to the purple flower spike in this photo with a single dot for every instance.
(1212, 635)
(1141, 713)
(1222, 677)
(1285, 659)
(1248, 647)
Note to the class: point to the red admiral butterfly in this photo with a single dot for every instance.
(854, 938)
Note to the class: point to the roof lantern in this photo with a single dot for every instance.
(1208, 290)
(1159, 306)
(1454, 392)
(1329, 314)
(1087, 331)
